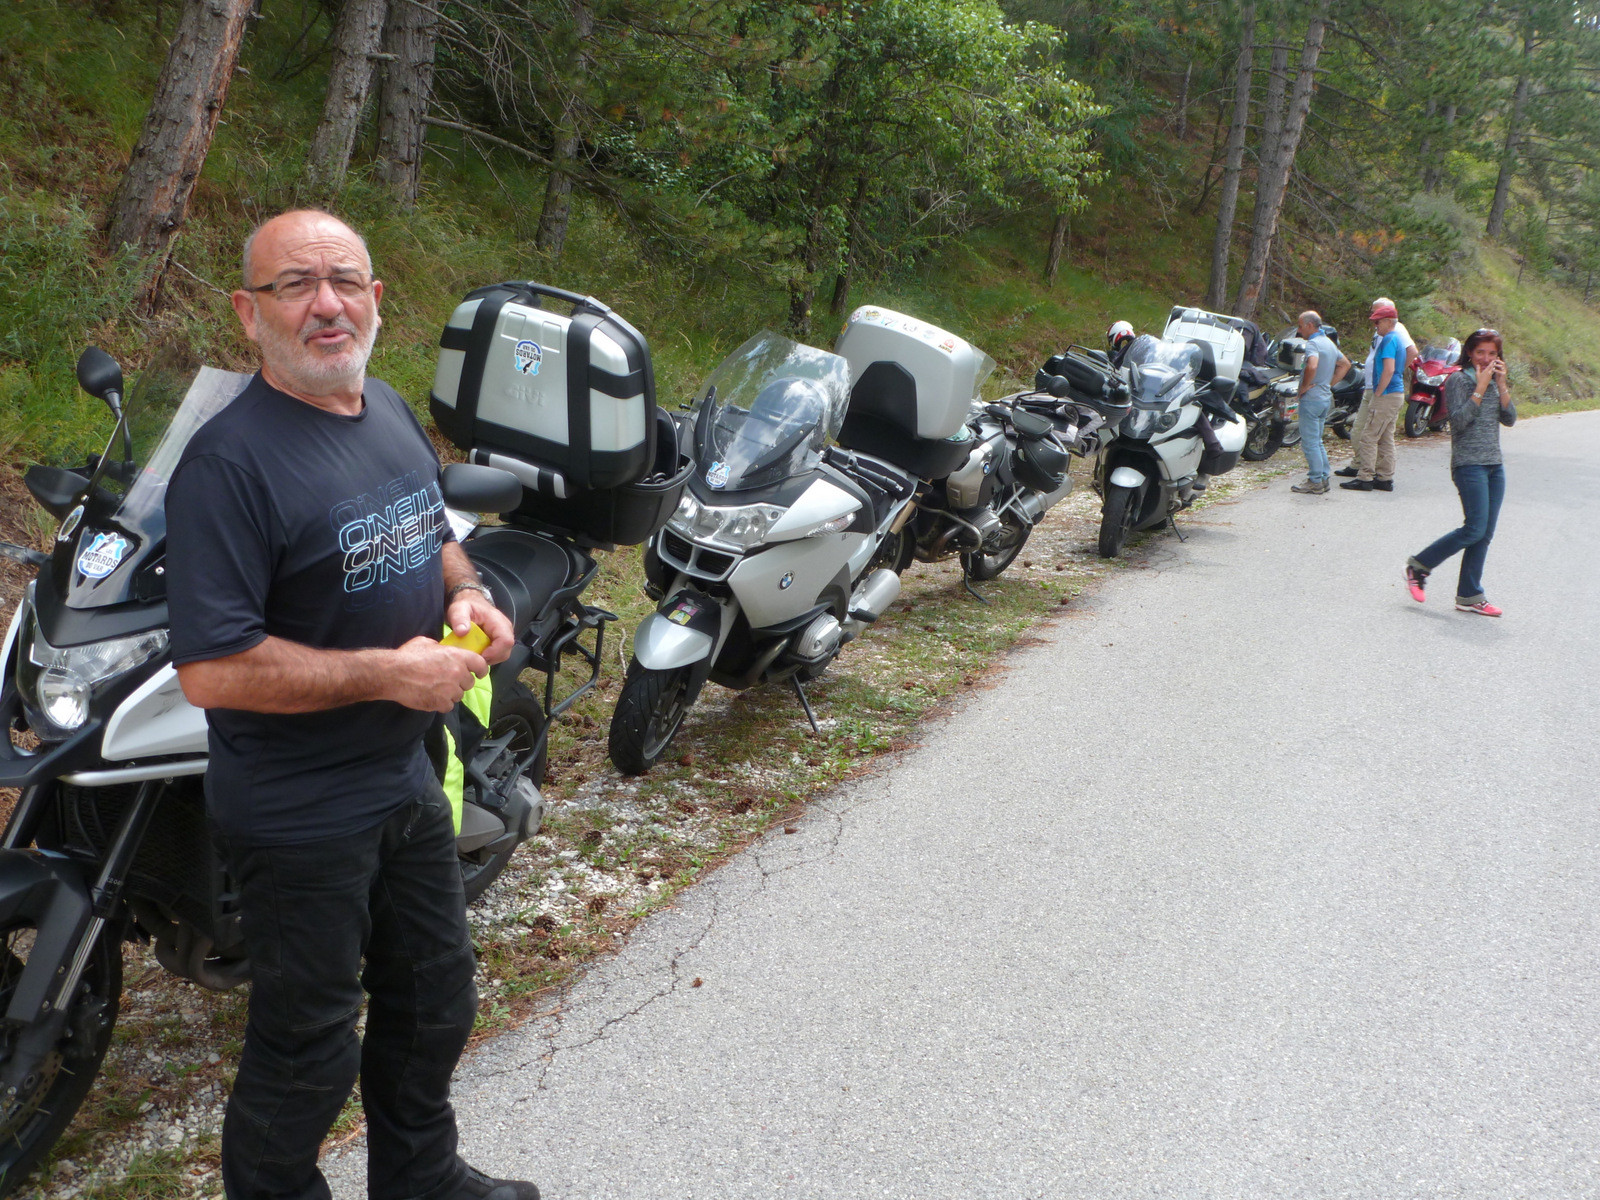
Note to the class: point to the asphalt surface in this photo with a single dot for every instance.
(1255, 879)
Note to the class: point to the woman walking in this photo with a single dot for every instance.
(1479, 403)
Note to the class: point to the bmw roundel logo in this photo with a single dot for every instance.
(787, 579)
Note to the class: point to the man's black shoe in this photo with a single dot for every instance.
(1383, 485)
(1357, 485)
(1347, 472)
(475, 1185)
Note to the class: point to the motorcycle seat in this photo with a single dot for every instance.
(523, 572)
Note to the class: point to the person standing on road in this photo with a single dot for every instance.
(1324, 367)
(1360, 423)
(1375, 450)
(309, 566)
(1479, 401)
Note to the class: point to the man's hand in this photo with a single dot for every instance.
(470, 606)
(432, 678)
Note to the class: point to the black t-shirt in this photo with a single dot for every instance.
(287, 521)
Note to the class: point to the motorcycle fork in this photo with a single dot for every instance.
(43, 1027)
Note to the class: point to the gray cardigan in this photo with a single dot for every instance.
(1474, 433)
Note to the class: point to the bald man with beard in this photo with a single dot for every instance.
(310, 571)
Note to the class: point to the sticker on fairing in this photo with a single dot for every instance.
(101, 556)
(717, 475)
(683, 612)
(528, 356)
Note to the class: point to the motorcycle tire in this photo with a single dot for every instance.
(1262, 441)
(1290, 435)
(1342, 432)
(33, 1120)
(1417, 414)
(985, 564)
(897, 551)
(648, 715)
(515, 711)
(1117, 519)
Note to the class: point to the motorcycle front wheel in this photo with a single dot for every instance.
(1000, 551)
(1417, 414)
(1118, 518)
(649, 713)
(515, 714)
(897, 551)
(33, 1119)
(1263, 440)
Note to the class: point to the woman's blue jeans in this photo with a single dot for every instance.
(1313, 416)
(1482, 489)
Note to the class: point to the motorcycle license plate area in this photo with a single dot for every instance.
(1290, 407)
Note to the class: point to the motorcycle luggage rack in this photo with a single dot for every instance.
(566, 642)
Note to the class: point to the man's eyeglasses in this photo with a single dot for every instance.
(293, 289)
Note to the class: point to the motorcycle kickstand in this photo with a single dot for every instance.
(1173, 522)
(966, 582)
(799, 690)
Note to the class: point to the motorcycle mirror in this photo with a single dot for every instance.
(100, 375)
(702, 421)
(475, 488)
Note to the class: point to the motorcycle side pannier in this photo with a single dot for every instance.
(564, 402)
(911, 390)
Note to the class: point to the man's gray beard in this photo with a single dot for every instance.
(304, 369)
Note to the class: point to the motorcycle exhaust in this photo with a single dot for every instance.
(871, 600)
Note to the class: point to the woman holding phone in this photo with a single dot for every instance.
(1479, 402)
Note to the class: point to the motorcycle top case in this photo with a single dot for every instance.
(944, 370)
(1227, 343)
(564, 402)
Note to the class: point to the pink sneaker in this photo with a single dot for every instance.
(1483, 608)
(1416, 580)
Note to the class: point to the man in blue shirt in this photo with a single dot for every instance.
(1375, 450)
(1324, 366)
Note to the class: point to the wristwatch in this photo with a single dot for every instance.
(468, 585)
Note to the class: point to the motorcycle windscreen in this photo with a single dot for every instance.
(774, 404)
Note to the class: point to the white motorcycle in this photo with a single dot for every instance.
(763, 573)
(1148, 471)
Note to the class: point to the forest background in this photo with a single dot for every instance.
(1022, 172)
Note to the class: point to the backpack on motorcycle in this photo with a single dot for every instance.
(912, 388)
(564, 402)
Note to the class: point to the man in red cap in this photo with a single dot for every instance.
(1375, 448)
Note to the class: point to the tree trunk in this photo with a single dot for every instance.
(841, 282)
(1508, 157)
(552, 233)
(154, 195)
(1058, 244)
(1183, 102)
(1233, 167)
(355, 41)
(410, 36)
(1273, 185)
(1272, 106)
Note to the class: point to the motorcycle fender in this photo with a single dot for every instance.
(681, 632)
(1126, 477)
(1421, 398)
(50, 893)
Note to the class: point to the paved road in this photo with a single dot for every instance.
(1257, 880)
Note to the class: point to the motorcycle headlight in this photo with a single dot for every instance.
(735, 528)
(58, 684)
(1141, 422)
(1167, 421)
(1430, 380)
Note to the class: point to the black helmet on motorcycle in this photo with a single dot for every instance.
(1119, 335)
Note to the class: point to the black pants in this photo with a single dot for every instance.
(311, 913)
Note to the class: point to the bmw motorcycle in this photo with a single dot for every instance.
(1146, 473)
(108, 840)
(986, 509)
(766, 568)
